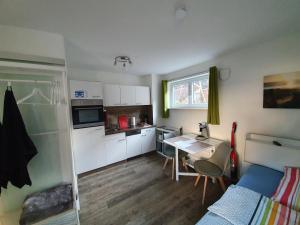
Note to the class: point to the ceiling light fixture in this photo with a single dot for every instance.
(124, 60)
(180, 13)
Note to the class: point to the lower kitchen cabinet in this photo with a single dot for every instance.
(92, 149)
(89, 149)
(134, 145)
(115, 146)
(148, 139)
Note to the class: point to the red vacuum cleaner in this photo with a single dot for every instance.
(233, 155)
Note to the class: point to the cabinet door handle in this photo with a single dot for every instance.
(143, 134)
(121, 140)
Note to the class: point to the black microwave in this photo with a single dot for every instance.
(87, 113)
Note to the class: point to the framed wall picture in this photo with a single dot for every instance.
(282, 90)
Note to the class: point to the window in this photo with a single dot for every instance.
(190, 92)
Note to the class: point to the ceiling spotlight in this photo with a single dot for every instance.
(124, 60)
(180, 13)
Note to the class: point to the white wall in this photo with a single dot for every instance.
(241, 96)
(108, 77)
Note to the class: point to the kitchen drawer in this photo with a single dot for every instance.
(99, 131)
(114, 136)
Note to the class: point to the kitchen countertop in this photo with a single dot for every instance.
(116, 131)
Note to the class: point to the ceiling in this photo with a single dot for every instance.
(146, 30)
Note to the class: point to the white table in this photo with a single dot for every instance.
(187, 143)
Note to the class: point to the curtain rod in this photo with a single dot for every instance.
(203, 73)
(189, 76)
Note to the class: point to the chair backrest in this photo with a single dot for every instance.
(221, 156)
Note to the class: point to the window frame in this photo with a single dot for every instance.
(190, 80)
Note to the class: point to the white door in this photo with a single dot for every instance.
(115, 146)
(112, 95)
(134, 145)
(142, 95)
(89, 148)
(148, 140)
(127, 95)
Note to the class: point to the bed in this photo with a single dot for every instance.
(260, 177)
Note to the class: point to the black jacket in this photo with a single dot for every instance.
(2, 175)
(17, 149)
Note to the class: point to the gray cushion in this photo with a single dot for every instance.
(207, 168)
(41, 205)
(170, 152)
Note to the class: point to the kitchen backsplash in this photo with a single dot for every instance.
(141, 113)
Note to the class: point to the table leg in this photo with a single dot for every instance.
(177, 164)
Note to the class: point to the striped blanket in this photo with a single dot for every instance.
(241, 206)
(269, 212)
(288, 191)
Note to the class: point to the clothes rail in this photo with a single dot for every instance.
(27, 81)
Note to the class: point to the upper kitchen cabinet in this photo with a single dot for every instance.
(112, 95)
(142, 96)
(122, 95)
(127, 95)
(86, 90)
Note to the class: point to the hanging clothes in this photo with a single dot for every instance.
(2, 177)
(17, 148)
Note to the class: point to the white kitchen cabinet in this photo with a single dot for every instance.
(142, 96)
(134, 145)
(116, 95)
(148, 139)
(86, 90)
(115, 146)
(112, 95)
(127, 95)
(89, 148)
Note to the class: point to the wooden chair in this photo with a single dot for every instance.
(213, 167)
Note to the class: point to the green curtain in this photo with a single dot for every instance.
(165, 99)
(213, 97)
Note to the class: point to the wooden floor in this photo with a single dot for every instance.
(140, 192)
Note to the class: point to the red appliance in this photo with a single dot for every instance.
(123, 121)
(233, 155)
